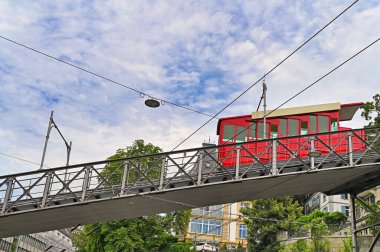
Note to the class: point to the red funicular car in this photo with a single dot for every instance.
(288, 122)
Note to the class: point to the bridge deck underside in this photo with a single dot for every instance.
(330, 181)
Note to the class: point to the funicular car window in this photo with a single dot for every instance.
(241, 134)
(260, 130)
(313, 124)
(283, 124)
(252, 130)
(304, 128)
(334, 124)
(228, 133)
(323, 124)
(273, 130)
(293, 127)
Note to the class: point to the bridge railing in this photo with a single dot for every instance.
(107, 179)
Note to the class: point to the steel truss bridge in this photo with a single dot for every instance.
(63, 197)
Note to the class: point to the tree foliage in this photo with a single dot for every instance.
(266, 217)
(371, 111)
(148, 233)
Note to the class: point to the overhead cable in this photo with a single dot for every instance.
(141, 93)
(21, 159)
(269, 72)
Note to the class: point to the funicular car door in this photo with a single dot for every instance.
(293, 144)
(324, 142)
(262, 150)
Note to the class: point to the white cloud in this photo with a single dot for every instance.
(200, 54)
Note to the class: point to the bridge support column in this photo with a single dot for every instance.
(353, 223)
(8, 194)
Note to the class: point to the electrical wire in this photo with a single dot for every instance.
(103, 77)
(21, 159)
(266, 74)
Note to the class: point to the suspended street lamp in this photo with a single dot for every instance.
(152, 103)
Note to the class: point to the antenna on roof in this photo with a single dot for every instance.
(265, 108)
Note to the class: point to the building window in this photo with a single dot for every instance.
(201, 226)
(325, 209)
(370, 198)
(210, 211)
(244, 204)
(243, 231)
(345, 209)
(324, 198)
(344, 196)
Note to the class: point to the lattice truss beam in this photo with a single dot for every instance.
(42, 189)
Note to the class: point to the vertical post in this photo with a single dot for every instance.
(162, 173)
(46, 189)
(237, 166)
(47, 138)
(85, 182)
(68, 153)
(274, 158)
(8, 194)
(200, 164)
(68, 148)
(350, 149)
(312, 149)
(353, 223)
(265, 108)
(124, 179)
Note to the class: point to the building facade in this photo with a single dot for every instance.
(326, 203)
(52, 241)
(220, 225)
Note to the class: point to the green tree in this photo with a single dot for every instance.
(372, 218)
(148, 233)
(321, 224)
(371, 111)
(299, 246)
(318, 230)
(266, 217)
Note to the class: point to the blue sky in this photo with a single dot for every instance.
(200, 54)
